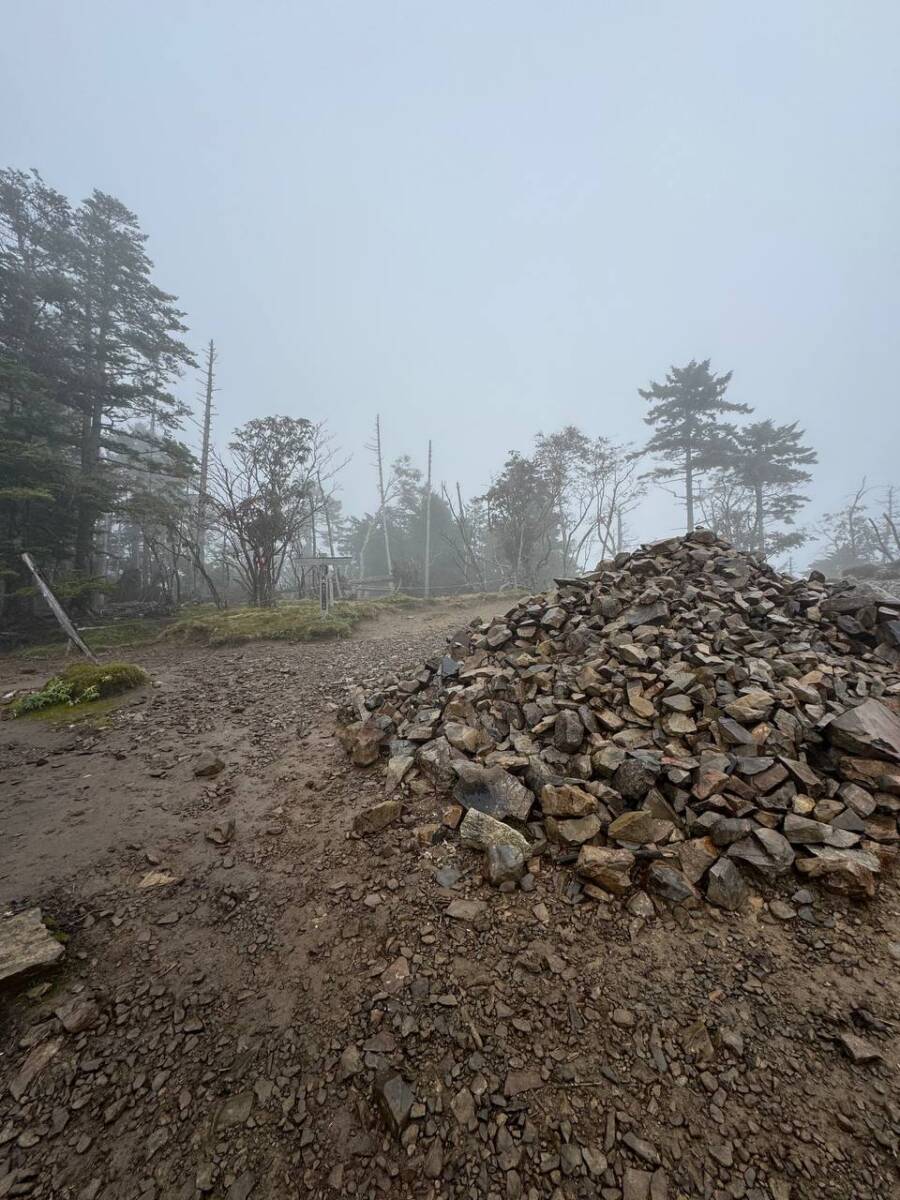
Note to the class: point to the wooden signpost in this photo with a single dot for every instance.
(57, 609)
(323, 574)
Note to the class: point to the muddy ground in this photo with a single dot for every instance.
(225, 1030)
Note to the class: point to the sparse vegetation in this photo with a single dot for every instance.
(299, 621)
(117, 636)
(302, 621)
(81, 683)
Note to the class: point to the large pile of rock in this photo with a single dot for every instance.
(683, 721)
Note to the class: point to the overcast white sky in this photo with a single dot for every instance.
(481, 220)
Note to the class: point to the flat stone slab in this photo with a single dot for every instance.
(870, 729)
(26, 943)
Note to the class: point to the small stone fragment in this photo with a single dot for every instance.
(79, 1014)
(466, 910)
(26, 944)
(858, 1050)
(503, 863)
(638, 828)
(567, 801)
(395, 1099)
(222, 833)
(492, 791)
(207, 766)
(605, 867)
(725, 886)
(480, 831)
(378, 817)
(670, 884)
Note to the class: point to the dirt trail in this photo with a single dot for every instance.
(230, 1024)
(128, 778)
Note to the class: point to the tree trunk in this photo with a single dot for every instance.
(328, 530)
(267, 579)
(760, 523)
(427, 588)
(204, 463)
(689, 488)
(88, 510)
(362, 551)
(384, 514)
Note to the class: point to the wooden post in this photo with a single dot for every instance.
(204, 454)
(324, 499)
(384, 515)
(56, 608)
(427, 589)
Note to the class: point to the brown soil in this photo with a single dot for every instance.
(246, 1009)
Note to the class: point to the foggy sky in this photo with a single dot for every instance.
(482, 220)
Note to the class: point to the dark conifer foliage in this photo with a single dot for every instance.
(688, 438)
(770, 461)
(88, 345)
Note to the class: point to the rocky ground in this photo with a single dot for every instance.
(275, 1008)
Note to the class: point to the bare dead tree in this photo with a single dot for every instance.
(266, 491)
(202, 500)
(382, 495)
(610, 489)
(467, 553)
(427, 588)
(887, 554)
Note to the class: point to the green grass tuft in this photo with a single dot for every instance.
(108, 679)
(299, 622)
(93, 712)
(81, 683)
(302, 620)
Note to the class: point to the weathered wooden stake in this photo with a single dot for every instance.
(57, 609)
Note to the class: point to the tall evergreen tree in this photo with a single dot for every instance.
(38, 465)
(128, 346)
(88, 346)
(770, 460)
(687, 435)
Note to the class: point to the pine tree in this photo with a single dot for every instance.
(128, 347)
(88, 345)
(38, 464)
(769, 461)
(685, 417)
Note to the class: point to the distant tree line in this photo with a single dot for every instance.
(96, 481)
(99, 484)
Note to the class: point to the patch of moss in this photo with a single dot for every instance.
(299, 622)
(108, 679)
(81, 683)
(302, 620)
(86, 711)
